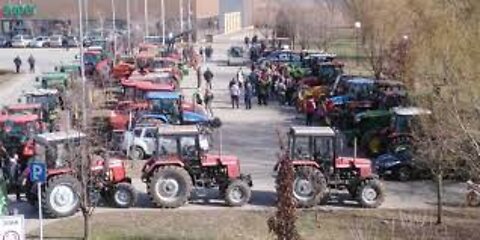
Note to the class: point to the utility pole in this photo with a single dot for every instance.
(82, 67)
(129, 37)
(146, 17)
(114, 33)
(189, 21)
(163, 21)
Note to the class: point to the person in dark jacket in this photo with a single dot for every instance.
(248, 93)
(31, 62)
(18, 63)
(208, 76)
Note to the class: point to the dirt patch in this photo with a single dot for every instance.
(6, 75)
(234, 224)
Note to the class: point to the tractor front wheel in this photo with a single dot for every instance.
(309, 187)
(238, 193)
(370, 193)
(124, 195)
(60, 197)
(170, 187)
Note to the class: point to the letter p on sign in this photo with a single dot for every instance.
(38, 172)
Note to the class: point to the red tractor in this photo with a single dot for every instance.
(60, 195)
(318, 169)
(180, 166)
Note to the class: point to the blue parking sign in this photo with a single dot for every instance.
(38, 172)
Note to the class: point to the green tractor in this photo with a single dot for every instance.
(389, 136)
(367, 122)
(72, 68)
(49, 99)
(54, 80)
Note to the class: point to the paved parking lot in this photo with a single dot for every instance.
(249, 134)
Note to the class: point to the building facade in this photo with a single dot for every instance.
(46, 16)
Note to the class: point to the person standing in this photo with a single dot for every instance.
(18, 63)
(248, 93)
(234, 93)
(208, 98)
(199, 76)
(208, 76)
(201, 51)
(240, 77)
(310, 110)
(31, 62)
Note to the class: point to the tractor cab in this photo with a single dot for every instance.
(72, 68)
(318, 145)
(405, 117)
(57, 149)
(48, 98)
(54, 80)
(17, 132)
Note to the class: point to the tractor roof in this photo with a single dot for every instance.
(19, 118)
(411, 111)
(42, 92)
(178, 130)
(54, 75)
(149, 86)
(361, 80)
(24, 106)
(162, 95)
(373, 114)
(312, 131)
(389, 83)
(45, 138)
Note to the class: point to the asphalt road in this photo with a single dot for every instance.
(249, 134)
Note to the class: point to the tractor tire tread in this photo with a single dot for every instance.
(182, 200)
(52, 182)
(377, 185)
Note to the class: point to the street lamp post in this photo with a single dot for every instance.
(129, 37)
(163, 21)
(181, 15)
(82, 66)
(146, 17)
(189, 21)
(114, 32)
(358, 26)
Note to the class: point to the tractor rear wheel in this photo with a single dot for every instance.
(309, 187)
(124, 195)
(238, 193)
(370, 193)
(60, 197)
(170, 187)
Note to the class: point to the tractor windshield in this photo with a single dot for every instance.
(319, 149)
(56, 155)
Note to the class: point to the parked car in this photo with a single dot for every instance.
(55, 41)
(39, 42)
(5, 42)
(236, 56)
(141, 141)
(72, 41)
(21, 41)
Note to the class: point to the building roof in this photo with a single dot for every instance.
(59, 136)
(312, 131)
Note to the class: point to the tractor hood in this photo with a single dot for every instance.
(363, 164)
(232, 163)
